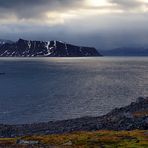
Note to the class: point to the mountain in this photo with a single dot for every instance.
(127, 51)
(25, 48)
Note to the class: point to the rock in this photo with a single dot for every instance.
(140, 99)
(128, 115)
(69, 143)
(27, 142)
(146, 120)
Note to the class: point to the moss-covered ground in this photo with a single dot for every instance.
(96, 139)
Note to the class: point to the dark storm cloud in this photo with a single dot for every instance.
(14, 3)
(31, 9)
(35, 8)
(118, 23)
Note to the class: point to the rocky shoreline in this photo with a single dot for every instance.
(131, 117)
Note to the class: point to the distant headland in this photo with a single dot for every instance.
(27, 48)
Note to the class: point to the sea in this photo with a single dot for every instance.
(34, 90)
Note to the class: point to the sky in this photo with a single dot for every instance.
(104, 24)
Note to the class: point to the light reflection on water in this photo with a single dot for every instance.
(44, 89)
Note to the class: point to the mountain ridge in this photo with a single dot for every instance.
(126, 51)
(28, 48)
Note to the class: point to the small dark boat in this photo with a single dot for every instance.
(2, 73)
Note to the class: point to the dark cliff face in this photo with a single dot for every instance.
(24, 48)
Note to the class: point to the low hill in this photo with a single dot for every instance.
(126, 52)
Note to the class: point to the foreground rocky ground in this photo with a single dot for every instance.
(132, 117)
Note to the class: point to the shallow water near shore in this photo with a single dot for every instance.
(46, 89)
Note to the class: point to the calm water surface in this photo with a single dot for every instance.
(45, 89)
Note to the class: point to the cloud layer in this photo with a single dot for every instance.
(100, 23)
